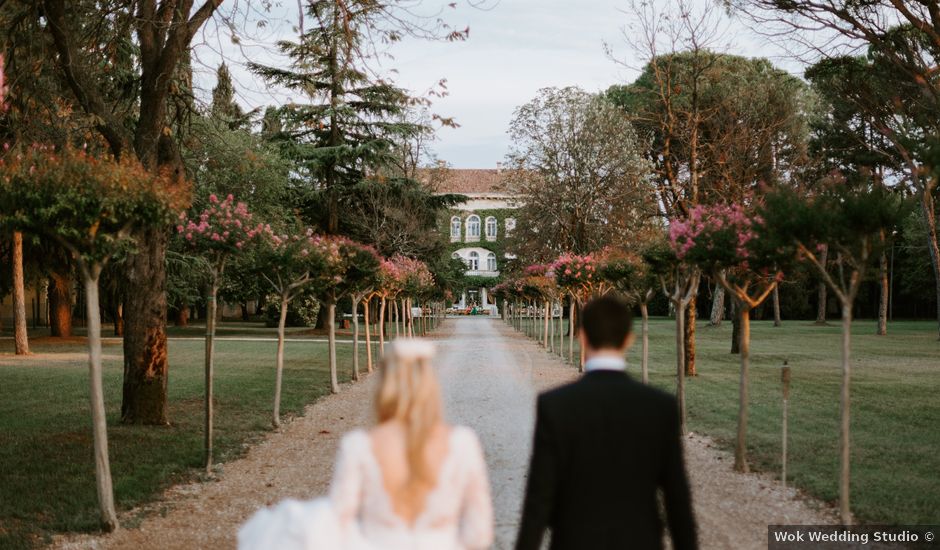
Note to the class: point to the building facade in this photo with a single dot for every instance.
(477, 231)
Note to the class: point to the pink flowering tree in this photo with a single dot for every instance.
(388, 285)
(576, 276)
(349, 268)
(360, 292)
(511, 293)
(91, 207)
(540, 288)
(721, 240)
(223, 229)
(679, 281)
(289, 263)
(626, 273)
(416, 281)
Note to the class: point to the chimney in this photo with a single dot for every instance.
(499, 167)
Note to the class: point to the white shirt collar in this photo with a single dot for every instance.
(605, 362)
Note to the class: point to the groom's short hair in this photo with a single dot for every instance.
(606, 321)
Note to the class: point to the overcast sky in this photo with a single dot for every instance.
(515, 48)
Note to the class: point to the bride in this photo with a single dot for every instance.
(411, 482)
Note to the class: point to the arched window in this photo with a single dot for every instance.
(510, 224)
(490, 227)
(474, 263)
(455, 228)
(491, 261)
(473, 227)
(455, 256)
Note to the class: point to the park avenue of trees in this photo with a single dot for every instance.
(712, 186)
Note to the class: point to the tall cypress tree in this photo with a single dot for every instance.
(224, 106)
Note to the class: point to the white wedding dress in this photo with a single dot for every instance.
(358, 514)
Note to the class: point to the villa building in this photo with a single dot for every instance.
(478, 229)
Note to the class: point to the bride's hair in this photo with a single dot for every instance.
(409, 393)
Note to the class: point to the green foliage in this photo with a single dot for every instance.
(578, 169)
(854, 222)
(349, 267)
(744, 121)
(499, 246)
(88, 205)
(397, 215)
(301, 312)
(226, 161)
(224, 106)
(844, 138)
(353, 119)
(627, 273)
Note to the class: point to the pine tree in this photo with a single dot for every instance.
(353, 118)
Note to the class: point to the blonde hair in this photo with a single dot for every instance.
(409, 393)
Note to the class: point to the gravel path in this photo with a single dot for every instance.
(490, 376)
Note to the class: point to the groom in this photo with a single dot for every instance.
(603, 447)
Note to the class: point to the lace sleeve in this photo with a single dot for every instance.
(346, 489)
(476, 516)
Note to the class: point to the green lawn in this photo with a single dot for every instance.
(895, 407)
(46, 468)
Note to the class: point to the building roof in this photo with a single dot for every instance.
(465, 181)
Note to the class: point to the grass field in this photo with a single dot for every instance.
(46, 468)
(895, 407)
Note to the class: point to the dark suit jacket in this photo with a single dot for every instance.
(603, 446)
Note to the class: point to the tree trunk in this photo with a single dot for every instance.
(109, 519)
(740, 448)
(845, 512)
(145, 352)
(382, 305)
(279, 373)
(209, 365)
(394, 315)
(645, 364)
(182, 316)
(365, 314)
(20, 338)
(718, 307)
(735, 329)
(355, 320)
(883, 298)
(776, 298)
(60, 304)
(119, 320)
(571, 315)
(823, 292)
(680, 364)
(933, 247)
(409, 316)
(690, 339)
(581, 357)
(331, 327)
(405, 325)
(548, 312)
